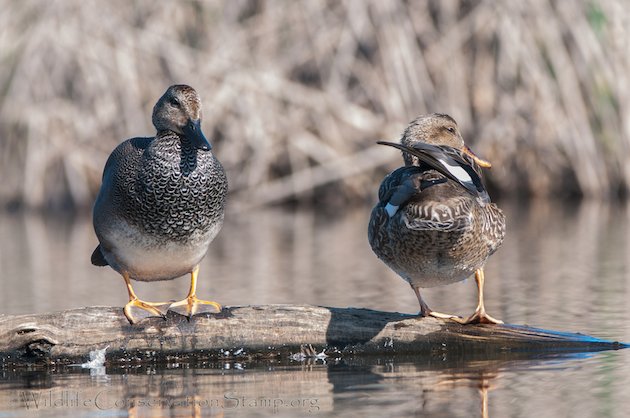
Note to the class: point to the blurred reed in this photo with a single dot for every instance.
(296, 92)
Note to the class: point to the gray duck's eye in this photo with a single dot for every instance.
(174, 102)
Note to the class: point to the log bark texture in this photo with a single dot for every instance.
(251, 332)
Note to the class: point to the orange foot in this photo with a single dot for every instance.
(193, 306)
(136, 310)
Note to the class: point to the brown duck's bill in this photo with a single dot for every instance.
(479, 161)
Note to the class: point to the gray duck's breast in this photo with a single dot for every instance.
(167, 215)
(180, 198)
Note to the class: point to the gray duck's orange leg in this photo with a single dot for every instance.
(136, 310)
(480, 316)
(193, 305)
(426, 311)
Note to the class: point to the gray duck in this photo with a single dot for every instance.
(160, 205)
(434, 223)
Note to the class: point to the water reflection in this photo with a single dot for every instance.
(348, 387)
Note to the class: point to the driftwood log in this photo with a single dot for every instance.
(255, 332)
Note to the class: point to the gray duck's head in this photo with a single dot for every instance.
(436, 129)
(179, 111)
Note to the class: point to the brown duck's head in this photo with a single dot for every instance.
(436, 129)
(179, 111)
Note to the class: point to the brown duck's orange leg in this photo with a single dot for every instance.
(192, 305)
(426, 311)
(480, 316)
(136, 310)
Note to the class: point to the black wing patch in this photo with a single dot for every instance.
(449, 162)
(97, 257)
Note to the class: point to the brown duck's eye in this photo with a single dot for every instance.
(451, 129)
(174, 102)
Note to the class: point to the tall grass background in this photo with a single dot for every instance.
(296, 93)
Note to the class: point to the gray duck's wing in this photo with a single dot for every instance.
(118, 169)
(124, 157)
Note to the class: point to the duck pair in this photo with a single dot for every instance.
(162, 199)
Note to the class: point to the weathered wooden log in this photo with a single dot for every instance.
(252, 332)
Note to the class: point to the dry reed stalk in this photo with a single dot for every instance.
(296, 93)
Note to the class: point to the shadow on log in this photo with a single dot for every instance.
(270, 331)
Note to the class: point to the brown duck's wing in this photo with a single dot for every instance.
(450, 162)
(391, 182)
(453, 212)
(426, 200)
(494, 226)
(399, 187)
(410, 190)
(402, 184)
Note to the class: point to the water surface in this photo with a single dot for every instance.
(561, 267)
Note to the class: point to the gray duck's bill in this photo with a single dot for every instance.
(193, 131)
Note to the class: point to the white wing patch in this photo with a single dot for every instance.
(458, 172)
(391, 209)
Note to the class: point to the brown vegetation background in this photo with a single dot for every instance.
(297, 92)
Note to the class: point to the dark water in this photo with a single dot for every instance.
(563, 268)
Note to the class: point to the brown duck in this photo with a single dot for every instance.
(434, 223)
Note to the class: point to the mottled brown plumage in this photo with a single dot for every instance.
(429, 228)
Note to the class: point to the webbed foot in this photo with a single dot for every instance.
(136, 310)
(479, 317)
(193, 306)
